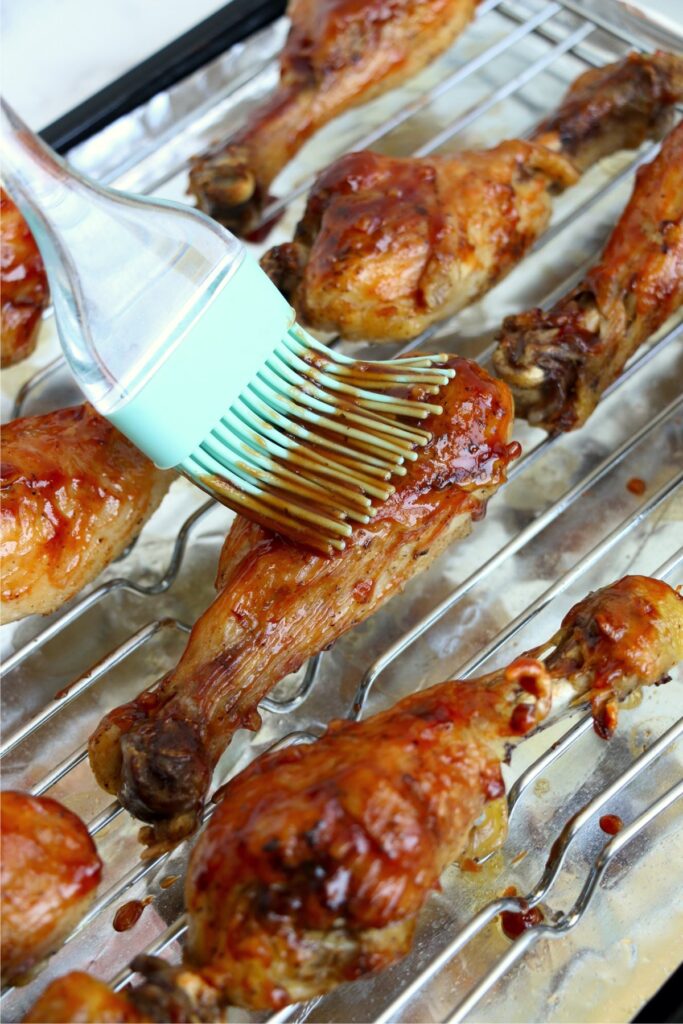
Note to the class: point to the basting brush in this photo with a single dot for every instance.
(177, 336)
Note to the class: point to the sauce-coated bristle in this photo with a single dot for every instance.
(315, 437)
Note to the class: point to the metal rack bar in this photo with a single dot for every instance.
(604, 23)
(572, 575)
(584, 52)
(283, 707)
(104, 589)
(539, 766)
(212, 105)
(573, 916)
(514, 903)
(38, 378)
(502, 93)
(105, 817)
(63, 768)
(115, 657)
(671, 563)
(172, 934)
(649, 153)
(89, 678)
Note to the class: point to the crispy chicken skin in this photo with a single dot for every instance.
(388, 246)
(50, 871)
(81, 999)
(280, 603)
(338, 53)
(560, 362)
(318, 858)
(23, 284)
(74, 492)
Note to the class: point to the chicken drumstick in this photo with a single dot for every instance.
(319, 857)
(23, 283)
(281, 603)
(559, 363)
(50, 872)
(389, 246)
(74, 493)
(338, 53)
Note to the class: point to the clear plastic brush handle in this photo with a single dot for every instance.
(179, 338)
(128, 276)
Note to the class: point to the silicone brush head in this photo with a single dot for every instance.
(315, 438)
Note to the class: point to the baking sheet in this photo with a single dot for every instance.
(625, 946)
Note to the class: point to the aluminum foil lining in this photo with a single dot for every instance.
(628, 941)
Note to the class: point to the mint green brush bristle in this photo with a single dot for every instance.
(177, 336)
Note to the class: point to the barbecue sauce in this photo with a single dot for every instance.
(611, 824)
(129, 914)
(514, 922)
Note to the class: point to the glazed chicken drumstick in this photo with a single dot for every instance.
(318, 858)
(559, 363)
(23, 284)
(338, 53)
(50, 872)
(74, 493)
(389, 246)
(280, 603)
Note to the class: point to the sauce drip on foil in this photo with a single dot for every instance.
(611, 824)
(129, 914)
(514, 922)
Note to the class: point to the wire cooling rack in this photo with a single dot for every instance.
(589, 474)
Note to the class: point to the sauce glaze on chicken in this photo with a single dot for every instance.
(559, 362)
(23, 284)
(74, 492)
(49, 874)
